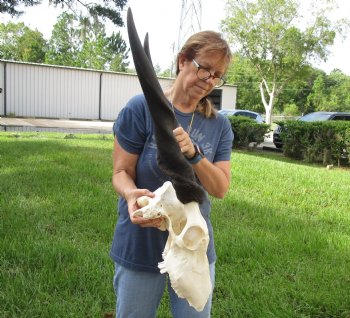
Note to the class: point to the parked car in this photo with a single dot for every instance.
(316, 116)
(240, 112)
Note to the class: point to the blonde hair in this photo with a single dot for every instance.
(204, 42)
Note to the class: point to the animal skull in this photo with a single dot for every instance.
(185, 258)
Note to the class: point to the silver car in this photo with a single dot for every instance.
(240, 112)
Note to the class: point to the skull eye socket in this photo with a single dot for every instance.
(178, 226)
(194, 238)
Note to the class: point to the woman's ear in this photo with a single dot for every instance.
(182, 61)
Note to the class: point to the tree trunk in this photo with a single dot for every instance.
(267, 105)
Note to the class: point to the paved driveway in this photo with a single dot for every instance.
(80, 126)
(34, 124)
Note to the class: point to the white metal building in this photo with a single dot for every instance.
(46, 91)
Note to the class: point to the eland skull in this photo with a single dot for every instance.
(185, 258)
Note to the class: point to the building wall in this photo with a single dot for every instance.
(229, 96)
(2, 89)
(39, 91)
(116, 90)
(46, 91)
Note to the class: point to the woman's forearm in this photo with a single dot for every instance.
(215, 178)
(123, 182)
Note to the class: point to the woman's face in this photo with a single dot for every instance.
(197, 88)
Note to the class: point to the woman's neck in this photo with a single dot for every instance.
(181, 102)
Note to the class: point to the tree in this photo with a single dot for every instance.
(82, 42)
(93, 52)
(20, 43)
(268, 35)
(64, 42)
(330, 92)
(110, 9)
(118, 53)
(165, 73)
(339, 97)
(243, 74)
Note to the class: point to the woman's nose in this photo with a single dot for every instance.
(210, 80)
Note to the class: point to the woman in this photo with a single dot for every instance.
(205, 139)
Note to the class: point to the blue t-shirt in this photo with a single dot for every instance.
(140, 248)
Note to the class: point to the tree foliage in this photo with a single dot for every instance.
(330, 93)
(106, 9)
(82, 42)
(11, 6)
(75, 41)
(119, 53)
(63, 44)
(268, 35)
(20, 43)
(243, 74)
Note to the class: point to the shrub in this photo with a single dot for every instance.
(247, 130)
(320, 142)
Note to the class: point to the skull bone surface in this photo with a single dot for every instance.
(185, 254)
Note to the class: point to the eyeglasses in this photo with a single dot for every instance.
(204, 74)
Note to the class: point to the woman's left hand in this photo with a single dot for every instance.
(184, 141)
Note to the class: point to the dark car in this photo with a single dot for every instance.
(240, 112)
(316, 116)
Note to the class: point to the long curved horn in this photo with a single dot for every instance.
(170, 158)
(146, 48)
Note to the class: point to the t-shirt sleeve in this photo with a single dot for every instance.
(224, 149)
(129, 127)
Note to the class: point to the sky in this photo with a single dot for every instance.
(161, 19)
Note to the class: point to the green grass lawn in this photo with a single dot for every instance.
(282, 233)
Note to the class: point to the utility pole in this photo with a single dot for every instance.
(190, 20)
(190, 23)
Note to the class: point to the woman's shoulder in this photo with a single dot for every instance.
(134, 109)
(221, 116)
(137, 102)
(221, 119)
(136, 106)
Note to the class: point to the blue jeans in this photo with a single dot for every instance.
(139, 293)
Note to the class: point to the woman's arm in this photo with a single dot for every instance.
(123, 180)
(215, 177)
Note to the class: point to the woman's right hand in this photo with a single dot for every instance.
(131, 197)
